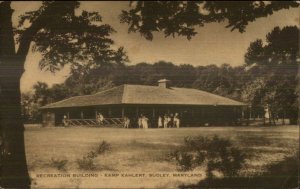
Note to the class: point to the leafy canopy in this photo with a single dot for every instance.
(282, 47)
(274, 69)
(181, 17)
(63, 34)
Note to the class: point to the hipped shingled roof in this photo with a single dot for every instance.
(142, 94)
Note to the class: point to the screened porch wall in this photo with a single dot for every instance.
(189, 115)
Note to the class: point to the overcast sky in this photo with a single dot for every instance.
(214, 44)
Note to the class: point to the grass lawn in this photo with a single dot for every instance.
(142, 151)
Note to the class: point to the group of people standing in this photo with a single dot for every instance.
(169, 121)
(166, 121)
(143, 122)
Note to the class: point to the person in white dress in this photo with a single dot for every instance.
(176, 120)
(145, 122)
(100, 119)
(126, 122)
(160, 123)
(65, 120)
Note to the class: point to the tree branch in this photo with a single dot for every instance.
(26, 40)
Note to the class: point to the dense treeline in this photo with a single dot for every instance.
(267, 79)
(222, 80)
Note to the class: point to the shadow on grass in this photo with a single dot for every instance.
(282, 175)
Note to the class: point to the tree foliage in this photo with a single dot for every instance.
(41, 95)
(209, 78)
(64, 35)
(274, 67)
(182, 17)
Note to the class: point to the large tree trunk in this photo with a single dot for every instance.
(14, 173)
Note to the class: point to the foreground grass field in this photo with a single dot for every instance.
(142, 151)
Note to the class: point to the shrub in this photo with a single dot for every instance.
(218, 153)
(92, 155)
(103, 147)
(86, 163)
(184, 160)
(60, 164)
(282, 174)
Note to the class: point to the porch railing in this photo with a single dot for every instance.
(107, 122)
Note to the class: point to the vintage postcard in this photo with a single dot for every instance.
(149, 94)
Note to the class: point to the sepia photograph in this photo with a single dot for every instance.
(149, 94)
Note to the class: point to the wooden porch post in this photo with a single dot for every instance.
(123, 111)
(153, 112)
(137, 111)
(283, 118)
(153, 118)
(81, 114)
(243, 113)
(68, 115)
(250, 112)
(235, 117)
(96, 113)
(109, 112)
